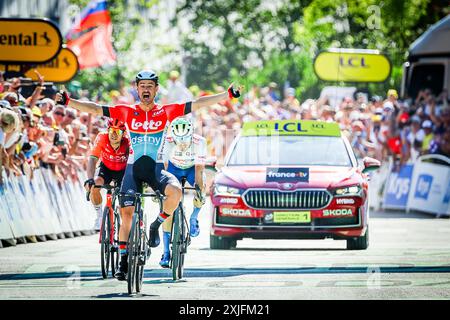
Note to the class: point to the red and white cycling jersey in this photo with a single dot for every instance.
(147, 128)
(115, 160)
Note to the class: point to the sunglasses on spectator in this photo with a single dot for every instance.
(59, 114)
(71, 116)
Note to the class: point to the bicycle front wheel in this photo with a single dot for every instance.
(177, 245)
(133, 253)
(142, 257)
(105, 247)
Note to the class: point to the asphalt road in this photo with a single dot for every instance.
(408, 258)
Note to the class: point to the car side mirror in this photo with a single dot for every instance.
(210, 164)
(370, 164)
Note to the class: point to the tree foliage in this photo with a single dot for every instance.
(256, 42)
(281, 38)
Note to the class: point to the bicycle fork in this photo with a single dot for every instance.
(111, 220)
(143, 254)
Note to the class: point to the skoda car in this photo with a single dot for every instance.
(291, 180)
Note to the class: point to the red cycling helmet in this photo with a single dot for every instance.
(116, 123)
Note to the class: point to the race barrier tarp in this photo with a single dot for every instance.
(43, 206)
(423, 186)
(397, 188)
(429, 188)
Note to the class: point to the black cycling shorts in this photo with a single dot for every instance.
(145, 170)
(109, 175)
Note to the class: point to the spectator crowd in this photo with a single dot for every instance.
(385, 128)
(36, 132)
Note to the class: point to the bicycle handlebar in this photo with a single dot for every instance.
(100, 186)
(104, 186)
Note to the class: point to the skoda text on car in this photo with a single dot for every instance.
(291, 180)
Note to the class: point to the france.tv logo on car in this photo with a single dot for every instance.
(287, 175)
(423, 186)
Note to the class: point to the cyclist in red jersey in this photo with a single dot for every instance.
(147, 124)
(112, 148)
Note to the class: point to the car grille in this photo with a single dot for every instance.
(276, 199)
(239, 221)
(347, 221)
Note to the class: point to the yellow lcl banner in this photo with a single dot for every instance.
(291, 128)
(28, 40)
(352, 65)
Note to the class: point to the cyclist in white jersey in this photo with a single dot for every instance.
(184, 155)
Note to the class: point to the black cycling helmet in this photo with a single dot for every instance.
(147, 75)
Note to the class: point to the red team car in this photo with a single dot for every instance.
(291, 180)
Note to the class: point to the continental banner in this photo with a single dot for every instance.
(28, 40)
(352, 65)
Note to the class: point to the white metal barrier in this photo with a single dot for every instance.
(44, 207)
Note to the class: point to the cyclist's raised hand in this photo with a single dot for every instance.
(234, 93)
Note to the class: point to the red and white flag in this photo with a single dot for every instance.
(90, 36)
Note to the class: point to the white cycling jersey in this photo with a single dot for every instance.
(184, 159)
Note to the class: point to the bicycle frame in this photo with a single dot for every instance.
(138, 249)
(111, 196)
(182, 241)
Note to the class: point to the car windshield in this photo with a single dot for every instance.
(290, 150)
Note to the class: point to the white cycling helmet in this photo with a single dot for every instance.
(182, 130)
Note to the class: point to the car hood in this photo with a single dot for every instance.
(244, 177)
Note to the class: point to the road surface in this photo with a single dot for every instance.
(408, 258)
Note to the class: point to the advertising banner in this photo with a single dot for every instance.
(28, 40)
(397, 188)
(429, 187)
(61, 69)
(352, 65)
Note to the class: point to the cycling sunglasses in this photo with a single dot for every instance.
(116, 130)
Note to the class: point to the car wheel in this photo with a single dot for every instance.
(359, 243)
(221, 243)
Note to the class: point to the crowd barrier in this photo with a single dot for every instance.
(423, 186)
(43, 209)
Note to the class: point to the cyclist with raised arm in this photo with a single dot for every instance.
(147, 123)
(184, 155)
(112, 148)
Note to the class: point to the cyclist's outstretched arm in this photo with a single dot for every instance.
(83, 106)
(216, 98)
(86, 106)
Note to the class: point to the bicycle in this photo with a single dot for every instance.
(181, 238)
(138, 248)
(109, 231)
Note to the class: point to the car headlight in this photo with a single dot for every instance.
(222, 190)
(348, 191)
